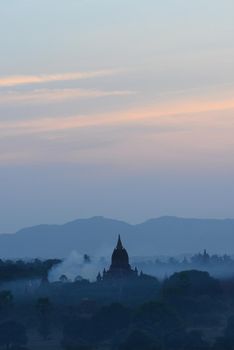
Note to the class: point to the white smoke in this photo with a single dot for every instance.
(74, 266)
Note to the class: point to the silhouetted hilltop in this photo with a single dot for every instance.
(96, 236)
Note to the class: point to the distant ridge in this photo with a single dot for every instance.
(166, 235)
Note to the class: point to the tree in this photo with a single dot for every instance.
(138, 340)
(6, 301)
(227, 341)
(76, 334)
(191, 283)
(194, 341)
(63, 279)
(110, 319)
(87, 259)
(159, 315)
(44, 306)
(6, 298)
(12, 334)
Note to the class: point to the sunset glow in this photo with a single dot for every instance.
(127, 95)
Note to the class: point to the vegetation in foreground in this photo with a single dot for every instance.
(188, 311)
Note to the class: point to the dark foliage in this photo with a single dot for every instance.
(191, 283)
(13, 270)
(188, 311)
(12, 335)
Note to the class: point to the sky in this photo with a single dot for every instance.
(117, 108)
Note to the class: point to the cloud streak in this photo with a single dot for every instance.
(57, 95)
(16, 80)
(176, 112)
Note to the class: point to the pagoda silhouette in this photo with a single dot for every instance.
(120, 267)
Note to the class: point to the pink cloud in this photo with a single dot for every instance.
(164, 113)
(47, 78)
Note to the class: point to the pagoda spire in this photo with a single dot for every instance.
(119, 243)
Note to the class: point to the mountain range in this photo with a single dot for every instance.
(97, 236)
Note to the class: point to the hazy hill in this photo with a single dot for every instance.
(97, 236)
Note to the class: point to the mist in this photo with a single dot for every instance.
(75, 267)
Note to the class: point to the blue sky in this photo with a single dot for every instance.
(122, 109)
